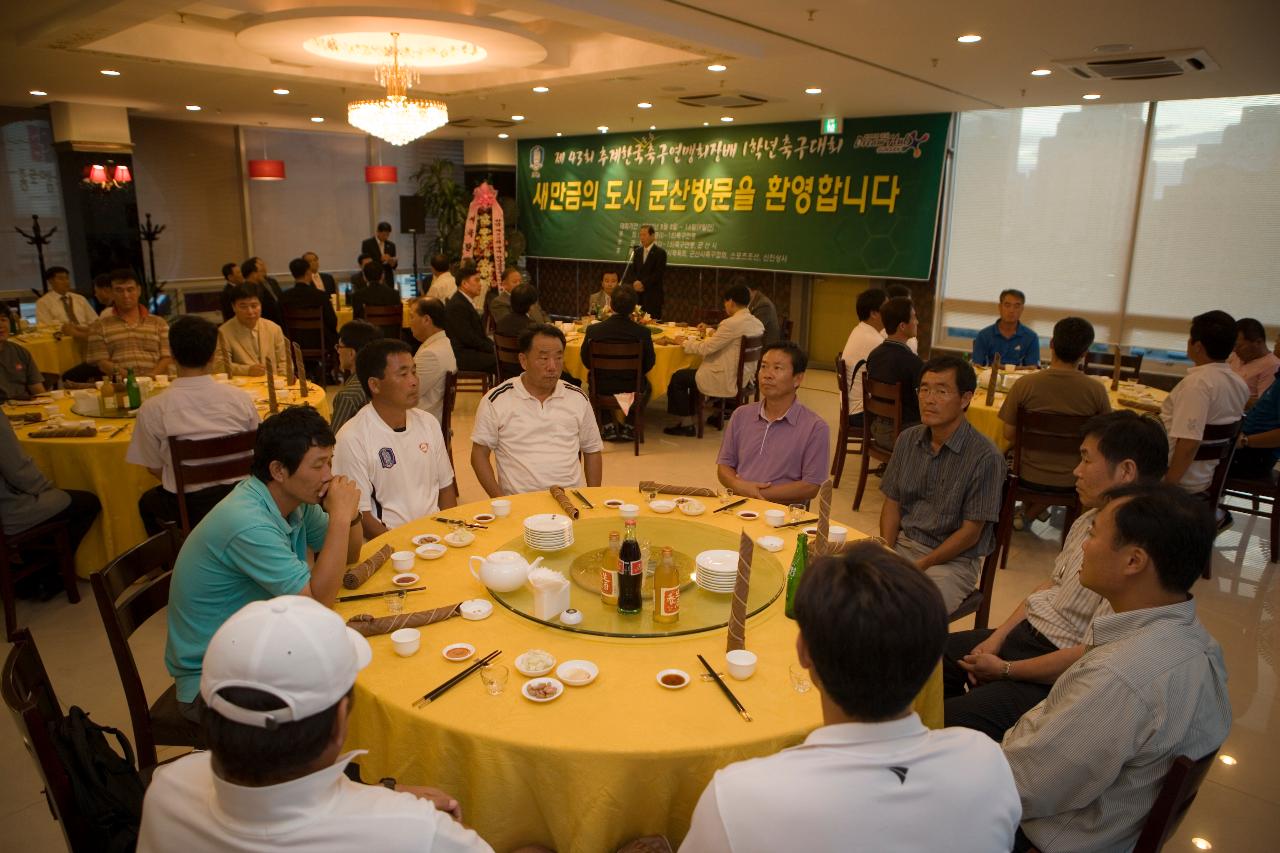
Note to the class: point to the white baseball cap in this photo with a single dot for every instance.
(292, 647)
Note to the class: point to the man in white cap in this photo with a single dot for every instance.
(277, 690)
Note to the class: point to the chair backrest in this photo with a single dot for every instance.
(880, 400)
(231, 455)
(615, 356)
(1103, 364)
(1046, 432)
(388, 318)
(842, 379)
(749, 352)
(446, 410)
(310, 320)
(129, 591)
(1218, 444)
(1181, 784)
(28, 693)
(506, 349)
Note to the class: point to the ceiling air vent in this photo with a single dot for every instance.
(1146, 66)
(481, 122)
(722, 100)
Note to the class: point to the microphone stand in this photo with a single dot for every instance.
(631, 253)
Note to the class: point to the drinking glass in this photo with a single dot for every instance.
(395, 602)
(800, 678)
(494, 677)
(796, 512)
(726, 497)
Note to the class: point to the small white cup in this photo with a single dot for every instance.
(837, 535)
(402, 560)
(740, 663)
(628, 510)
(501, 507)
(775, 517)
(405, 642)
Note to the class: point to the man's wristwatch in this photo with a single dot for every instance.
(388, 782)
(1007, 666)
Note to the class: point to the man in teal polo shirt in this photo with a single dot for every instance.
(253, 545)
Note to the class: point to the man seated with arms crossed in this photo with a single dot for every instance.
(536, 424)
(128, 336)
(1210, 394)
(871, 631)
(618, 327)
(866, 336)
(1251, 360)
(253, 545)
(348, 399)
(717, 376)
(194, 407)
(248, 340)
(1060, 390)
(1015, 343)
(392, 450)
(1090, 759)
(500, 305)
(943, 485)
(1008, 671)
(776, 450)
(434, 357)
(598, 305)
(465, 326)
(63, 307)
(276, 694)
(893, 362)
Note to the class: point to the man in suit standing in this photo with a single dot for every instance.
(464, 326)
(648, 266)
(380, 248)
(320, 280)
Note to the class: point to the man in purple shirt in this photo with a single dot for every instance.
(776, 449)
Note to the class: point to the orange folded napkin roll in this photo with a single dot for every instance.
(570, 510)
(363, 570)
(371, 626)
(665, 489)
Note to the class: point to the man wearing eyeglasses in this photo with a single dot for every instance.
(943, 485)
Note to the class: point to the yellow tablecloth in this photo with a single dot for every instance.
(986, 419)
(98, 465)
(52, 355)
(601, 764)
(668, 358)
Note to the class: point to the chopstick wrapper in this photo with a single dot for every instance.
(665, 489)
(824, 519)
(64, 432)
(371, 626)
(550, 593)
(570, 510)
(363, 570)
(738, 610)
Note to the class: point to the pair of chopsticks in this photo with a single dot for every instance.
(797, 523)
(117, 431)
(460, 523)
(434, 694)
(364, 595)
(715, 676)
(577, 494)
(730, 506)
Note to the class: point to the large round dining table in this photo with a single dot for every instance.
(97, 464)
(52, 351)
(668, 358)
(601, 764)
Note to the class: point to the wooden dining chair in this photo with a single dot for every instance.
(129, 591)
(38, 547)
(879, 400)
(978, 602)
(197, 462)
(848, 438)
(305, 326)
(1261, 495)
(617, 357)
(1217, 445)
(506, 349)
(1104, 363)
(446, 410)
(388, 318)
(749, 352)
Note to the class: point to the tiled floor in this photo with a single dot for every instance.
(1238, 808)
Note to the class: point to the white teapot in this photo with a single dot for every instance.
(503, 571)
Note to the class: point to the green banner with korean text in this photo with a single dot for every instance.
(774, 197)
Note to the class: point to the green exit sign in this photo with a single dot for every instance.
(832, 125)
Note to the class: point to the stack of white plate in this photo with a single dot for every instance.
(548, 531)
(717, 571)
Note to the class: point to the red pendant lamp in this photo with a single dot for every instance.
(97, 174)
(381, 175)
(266, 170)
(122, 174)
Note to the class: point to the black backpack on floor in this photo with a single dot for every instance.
(108, 789)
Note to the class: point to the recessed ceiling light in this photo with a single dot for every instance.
(280, 91)
(813, 90)
(644, 105)
(517, 118)
(1041, 72)
(318, 119)
(541, 90)
(971, 38)
(558, 133)
(726, 118)
(716, 66)
(706, 124)
(109, 72)
(1201, 843)
(195, 108)
(1228, 760)
(1092, 96)
(604, 128)
(653, 127)
(39, 93)
(504, 135)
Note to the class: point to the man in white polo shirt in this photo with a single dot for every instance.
(536, 424)
(872, 628)
(276, 689)
(1210, 394)
(393, 450)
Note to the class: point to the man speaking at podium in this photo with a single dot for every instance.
(648, 266)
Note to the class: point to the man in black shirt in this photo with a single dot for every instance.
(376, 292)
(465, 327)
(894, 363)
(620, 328)
(303, 294)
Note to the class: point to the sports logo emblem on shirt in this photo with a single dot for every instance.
(387, 457)
(901, 773)
(424, 447)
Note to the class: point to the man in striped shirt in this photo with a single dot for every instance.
(1008, 671)
(1090, 759)
(128, 337)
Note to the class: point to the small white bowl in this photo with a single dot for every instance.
(402, 560)
(530, 672)
(501, 507)
(483, 517)
(628, 510)
(662, 506)
(740, 663)
(774, 517)
(476, 609)
(692, 507)
(667, 672)
(613, 503)
(460, 538)
(425, 539)
(771, 543)
(430, 551)
(406, 579)
(585, 670)
(528, 685)
(405, 642)
(457, 655)
(748, 514)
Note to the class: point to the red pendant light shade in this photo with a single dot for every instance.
(381, 175)
(122, 175)
(266, 170)
(97, 174)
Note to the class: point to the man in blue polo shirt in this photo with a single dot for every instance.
(253, 545)
(776, 449)
(1258, 447)
(1015, 343)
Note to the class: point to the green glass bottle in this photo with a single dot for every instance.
(799, 561)
(131, 388)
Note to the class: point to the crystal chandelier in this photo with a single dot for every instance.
(397, 118)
